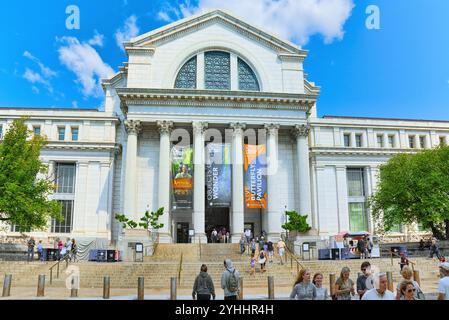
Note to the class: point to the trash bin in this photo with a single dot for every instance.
(335, 254)
(50, 254)
(112, 256)
(93, 255)
(102, 255)
(324, 254)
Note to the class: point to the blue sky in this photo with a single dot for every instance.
(399, 71)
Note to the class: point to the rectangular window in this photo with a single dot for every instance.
(442, 140)
(422, 142)
(65, 178)
(358, 140)
(37, 130)
(75, 131)
(355, 182)
(411, 142)
(61, 133)
(390, 141)
(64, 226)
(380, 141)
(347, 140)
(17, 228)
(357, 217)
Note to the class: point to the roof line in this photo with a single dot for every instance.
(386, 119)
(48, 108)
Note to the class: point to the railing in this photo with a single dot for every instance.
(294, 258)
(66, 259)
(180, 268)
(201, 254)
(394, 253)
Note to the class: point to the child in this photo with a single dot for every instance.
(253, 265)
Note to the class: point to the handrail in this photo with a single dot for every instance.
(201, 253)
(66, 259)
(398, 255)
(180, 268)
(293, 257)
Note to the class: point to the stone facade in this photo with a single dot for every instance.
(122, 154)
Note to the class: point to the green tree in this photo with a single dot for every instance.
(24, 192)
(414, 188)
(296, 222)
(148, 219)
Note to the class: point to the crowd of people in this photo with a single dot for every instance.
(67, 249)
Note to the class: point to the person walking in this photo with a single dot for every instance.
(242, 244)
(362, 285)
(75, 250)
(434, 248)
(407, 290)
(230, 281)
(69, 248)
(31, 243)
(303, 289)
(379, 292)
(361, 248)
(407, 275)
(40, 251)
(253, 246)
(252, 265)
(270, 250)
(344, 286)
(261, 243)
(60, 245)
(281, 250)
(203, 288)
(443, 284)
(262, 261)
(321, 292)
(404, 261)
(248, 235)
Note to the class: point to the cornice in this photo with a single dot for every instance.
(215, 98)
(84, 146)
(359, 151)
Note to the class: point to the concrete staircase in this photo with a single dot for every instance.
(184, 261)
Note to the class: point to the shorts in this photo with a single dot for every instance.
(281, 251)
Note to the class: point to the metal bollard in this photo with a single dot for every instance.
(332, 283)
(270, 287)
(241, 289)
(416, 277)
(390, 280)
(173, 288)
(7, 285)
(106, 287)
(140, 288)
(41, 285)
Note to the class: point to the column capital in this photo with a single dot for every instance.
(199, 127)
(133, 126)
(165, 126)
(272, 128)
(301, 130)
(238, 127)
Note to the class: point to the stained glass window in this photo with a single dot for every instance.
(217, 70)
(186, 78)
(247, 78)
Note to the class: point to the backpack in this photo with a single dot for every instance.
(232, 283)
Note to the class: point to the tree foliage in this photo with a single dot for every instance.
(148, 219)
(414, 188)
(296, 222)
(24, 190)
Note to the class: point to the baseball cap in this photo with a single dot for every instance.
(445, 266)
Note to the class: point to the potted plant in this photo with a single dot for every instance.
(149, 219)
(296, 224)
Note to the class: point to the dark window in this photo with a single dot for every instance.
(347, 140)
(64, 226)
(75, 132)
(61, 133)
(65, 178)
(217, 68)
(186, 78)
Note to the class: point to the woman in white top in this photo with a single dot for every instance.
(321, 293)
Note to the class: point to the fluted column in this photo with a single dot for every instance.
(199, 182)
(301, 133)
(133, 128)
(165, 128)
(238, 204)
(274, 228)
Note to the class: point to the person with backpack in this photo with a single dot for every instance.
(230, 281)
(203, 288)
(262, 261)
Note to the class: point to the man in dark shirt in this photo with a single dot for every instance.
(363, 278)
(31, 244)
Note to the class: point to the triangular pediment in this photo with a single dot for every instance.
(151, 39)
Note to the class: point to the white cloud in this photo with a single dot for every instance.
(46, 71)
(296, 20)
(36, 78)
(85, 62)
(127, 32)
(97, 40)
(75, 104)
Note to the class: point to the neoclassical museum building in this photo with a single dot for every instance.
(215, 120)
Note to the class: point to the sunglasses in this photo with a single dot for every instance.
(411, 290)
(364, 269)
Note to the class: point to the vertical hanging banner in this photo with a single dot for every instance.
(255, 167)
(218, 175)
(182, 177)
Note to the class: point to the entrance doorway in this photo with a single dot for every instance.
(182, 232)
(217, 218)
